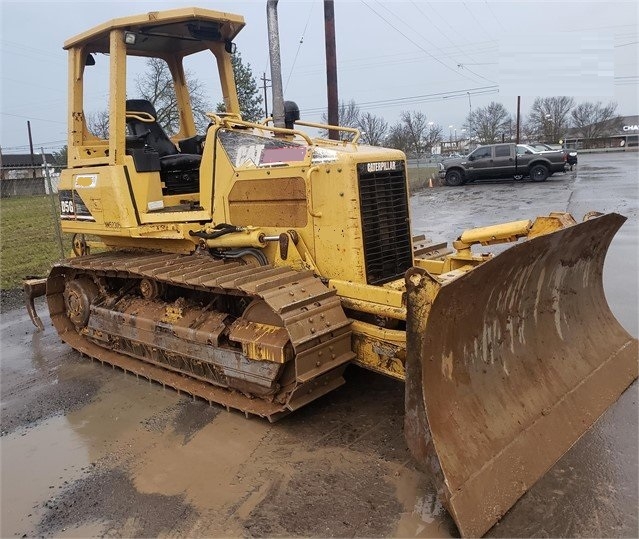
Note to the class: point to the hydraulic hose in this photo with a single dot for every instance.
(239, 253)
(220, 230)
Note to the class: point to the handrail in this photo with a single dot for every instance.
(217, 118)
(309, 192)
(230, 121)
(140, 115)
(353, 130)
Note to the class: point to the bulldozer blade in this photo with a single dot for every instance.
(34, 288)
(509, 364)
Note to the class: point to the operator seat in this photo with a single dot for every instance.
(155, 137)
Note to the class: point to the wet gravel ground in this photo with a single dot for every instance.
(11, 299)
(88, 451)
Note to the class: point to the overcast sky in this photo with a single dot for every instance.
(440, 58)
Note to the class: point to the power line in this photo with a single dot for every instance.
(32, 118)
(445, 34)
(426, 40)
(299, 46)
(361, 63)
(399, 100)
(435, 47)
(415, 43)
(423, 98)
(27, 48)
(46, 145)
(476, 19)
(493, 14)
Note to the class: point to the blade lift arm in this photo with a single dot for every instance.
(451, 265)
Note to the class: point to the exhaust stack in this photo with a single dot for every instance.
(276, 63)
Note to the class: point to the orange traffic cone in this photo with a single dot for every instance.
(430, 182)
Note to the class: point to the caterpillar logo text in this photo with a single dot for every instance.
(381, 167)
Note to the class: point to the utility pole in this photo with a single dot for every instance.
(518, 120)
(33, 170)
(265, 86)
(331, 67)
(470, 119)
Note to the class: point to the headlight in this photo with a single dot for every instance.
(441, 167)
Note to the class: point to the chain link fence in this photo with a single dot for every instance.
(30, 236)
(422, 173)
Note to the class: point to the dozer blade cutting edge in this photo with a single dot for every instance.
(509, 364)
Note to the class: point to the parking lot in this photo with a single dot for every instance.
(91, 451)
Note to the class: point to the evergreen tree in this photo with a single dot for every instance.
(247, 91)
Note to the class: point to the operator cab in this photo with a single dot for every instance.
(158, 141)
(153, 150)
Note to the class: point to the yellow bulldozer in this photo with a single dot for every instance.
(250, 264)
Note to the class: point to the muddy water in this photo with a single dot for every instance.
(131, 458)
(36, 464)
(89, 451)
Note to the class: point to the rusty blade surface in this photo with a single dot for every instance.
(509, 365)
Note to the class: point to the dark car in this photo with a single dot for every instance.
(496, 161)
(571, 155)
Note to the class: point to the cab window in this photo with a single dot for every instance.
(502, 151)
(481, 153)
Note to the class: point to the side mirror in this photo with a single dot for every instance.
(230, 47)
(528, 152)
(471, 157)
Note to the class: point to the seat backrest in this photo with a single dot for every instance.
(156, 138)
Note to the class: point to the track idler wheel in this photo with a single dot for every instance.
(79, 294)
(151, 289)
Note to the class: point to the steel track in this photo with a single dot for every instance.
(310, 313)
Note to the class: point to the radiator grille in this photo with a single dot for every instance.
(386, 231)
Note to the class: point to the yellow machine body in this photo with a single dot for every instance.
(287, 255)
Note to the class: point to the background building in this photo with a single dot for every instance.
(620, 133)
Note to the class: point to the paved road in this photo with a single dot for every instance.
(87, 450)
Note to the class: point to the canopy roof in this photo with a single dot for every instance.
(185, 30)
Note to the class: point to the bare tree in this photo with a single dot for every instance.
(416, 125)
(528, 132)
(432, 137)
(348, 114)
(488, 124)
(98, 123)
(414, 135)
(156, 86)
(398, 138)
(549, 117)
(595, 119)
(373, 129)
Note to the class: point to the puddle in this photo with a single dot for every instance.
(93, 529)
(209, 467)
(423, 514)
(115, 418)
(36, 464)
